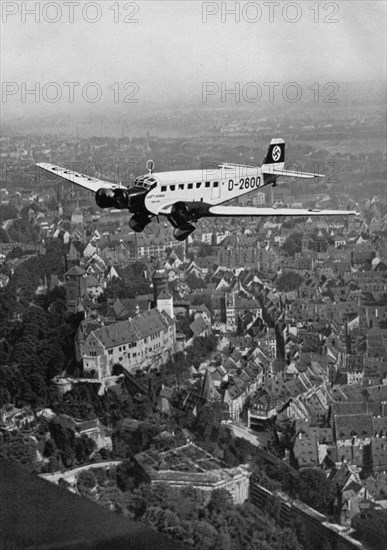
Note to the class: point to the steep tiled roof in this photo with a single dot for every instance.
(198, 326)
(379, 453)
(76, 271)
(377, 393)
(133, 330)
(349, 407)
(164, 295)
(380, 425)
(353, 425)
(305, 450)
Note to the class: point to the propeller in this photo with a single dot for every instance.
(150, 165)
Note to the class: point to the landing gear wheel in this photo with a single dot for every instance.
(138, 223)
(182, 232)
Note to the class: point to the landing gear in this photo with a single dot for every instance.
(180, 219)
(182, 232)
(138, 222)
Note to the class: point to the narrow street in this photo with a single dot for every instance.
(245, 433)
(258, 439)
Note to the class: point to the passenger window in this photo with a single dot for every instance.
(190, 186)
(163, 188)
(172, 188)
(207, 183)
(198, 185)
(181, 187)
(216, 184)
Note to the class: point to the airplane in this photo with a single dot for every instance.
(185, 196)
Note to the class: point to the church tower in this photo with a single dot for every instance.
(162, 299)
(160, 282)
(165, 302)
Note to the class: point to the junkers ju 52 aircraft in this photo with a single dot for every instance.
(185, 196)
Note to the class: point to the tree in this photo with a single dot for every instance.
(86, 480)
(288, 281)
(194, 282)
(126, 475)
(17, 449)
(202, 298)
(316, 490)
(293, 244)
(83, 448)
(220, 501)
(3, 236)
(183, 325)
(204, 535)
(7, 212)
(373, 529)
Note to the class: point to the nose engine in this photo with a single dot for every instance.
(112, 198)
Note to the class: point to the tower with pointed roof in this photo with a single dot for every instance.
(77, 218)
(164, 302)
(320, 243)
(73, 256)
(208, 391)
(160, 282)
(75, 285)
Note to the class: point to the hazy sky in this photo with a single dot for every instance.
(171, 51)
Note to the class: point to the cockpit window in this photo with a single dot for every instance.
(146, 182)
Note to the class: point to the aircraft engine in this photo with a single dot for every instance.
(180, 214)
(112, 198)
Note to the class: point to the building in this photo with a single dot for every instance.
(263, 409)
(138, 343)
(237, 307)
(160, 282)
(14, 419)
(259, 198)
(190, 465)
(75, 285)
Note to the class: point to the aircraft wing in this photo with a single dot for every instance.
(252, 211)
(92, 184)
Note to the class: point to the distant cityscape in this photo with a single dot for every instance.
(247, 363)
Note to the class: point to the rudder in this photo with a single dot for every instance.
(276, 153)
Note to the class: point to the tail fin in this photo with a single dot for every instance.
(275, 156)
(273, 165)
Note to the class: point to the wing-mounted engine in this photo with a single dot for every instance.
(112, 198)
(184, 212)
(181, 216)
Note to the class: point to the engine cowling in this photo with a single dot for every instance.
(183, 213)
(180, 214)
(112, 198)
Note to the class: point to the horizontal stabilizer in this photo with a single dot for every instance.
(270, 170)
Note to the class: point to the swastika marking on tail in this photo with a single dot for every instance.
(276, 153)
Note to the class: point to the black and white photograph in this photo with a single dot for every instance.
(193, 275)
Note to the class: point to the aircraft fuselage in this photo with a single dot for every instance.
(208, 186)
